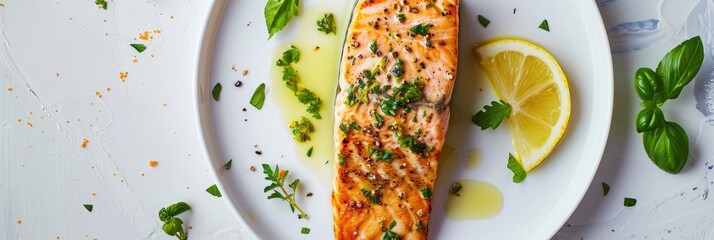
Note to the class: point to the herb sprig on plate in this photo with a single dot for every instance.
(277, 180)
(172, 224)
(278, 14)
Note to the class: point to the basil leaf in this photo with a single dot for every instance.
(649, 86)
(680, 66)
(172, 226)
(667, 147)
(278, 13)
(258, 97)
(649, 118)
(173, 210)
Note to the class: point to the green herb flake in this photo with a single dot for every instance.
(518, 173)
(426, 193)
(419, 226)
(630, 202)
(605, 189)
(327, 24)
(389, 234)
(401, 17)
(101, 3)
(373, 46)
(277, 179)
(172, 224)
(213, 190)
(544, 25)
(89, 207)
(342, 159)
(258, 97)
(456, 188)
(309, 152)
(278, 13)
(290, 56)
(216, 93)
(421, 29)
(314, 103)
(492, 115)
(228, 165)
(483, 21)
(411, 143)
(302, 129)
(139, 47)
(372, 196)
(305, 230)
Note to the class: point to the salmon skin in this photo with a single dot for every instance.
(391, 116)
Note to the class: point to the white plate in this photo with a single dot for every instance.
(534, 209)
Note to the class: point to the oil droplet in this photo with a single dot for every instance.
(478, 200)
(474, 159)
(318, 72)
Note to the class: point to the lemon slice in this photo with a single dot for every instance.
(532, 82)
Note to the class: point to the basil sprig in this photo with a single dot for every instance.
(666, 143)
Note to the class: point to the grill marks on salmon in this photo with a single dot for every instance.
(392, 115)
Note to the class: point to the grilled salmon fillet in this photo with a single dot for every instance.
(391, 116)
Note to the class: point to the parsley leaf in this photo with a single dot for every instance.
(492, 116)
(373, 46)
(305, 230)
(291, 55)
(216, 93)
(101, 3)
(213, 190)
(398, 68)
(371, 195)
(258, 97)
(139, 47)
(421, 29)
(89, 207)
(630, 202)
(327, 24)
(544, 25)
(291, 78)
(309, 152)
(407, 141)
(426, 193)
(518, 173)
(301, 129)
(313, 102)
(389, 234)
(278, 13)
(401, 17)
(483, 21)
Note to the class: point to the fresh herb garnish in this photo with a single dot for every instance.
(401, 17)
(258, 97)
(544, 25)
(407, 141)
(89, 207)
(327, 24)
(291, 55)
(228, 165)
(305, 230)
(492, 115)
(419, 226)
(456, 188)
(313, 102)
(277, 179)
(605, 189)
(518, 173)
(483, 21)
(213, 190)
(401, 96)
(666, 143)
(101, 3)
(630, 202)
(371, 195)
(278, 13)
(373, 46)
(389, 234)
(172, 224)
(380, 155)
(342, 159)
(426, 193)
(378, 117)
(421, 29)
(301, 129)
(139, 47)
(309, 152)
(216, 93)
(398, 68)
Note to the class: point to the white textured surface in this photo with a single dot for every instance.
(45, 176)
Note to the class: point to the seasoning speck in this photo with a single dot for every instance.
(309, 194)
(84, 143)
(259, 152)
(252, 168)
(245, 110)
(245, 72)
(153, 163)
(238, 83)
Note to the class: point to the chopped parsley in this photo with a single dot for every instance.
(544, 25)
(483, 21)
(380, 155)
(421, 29)
(305, 230)
(389, 234)
(258, 97)
(216, 93)
(407, 141)
(378, 118)
(342, 159)
(346, 128)
(401, 96)
(398, 68)
(291, 55)
(101, 3)
(518, 173)
(228, 165)
(302, 129)
(401, 17)
(492, 115)
(456, 188)
(313, 102)
(327, 24)
(630, 202)
(426, 193)
(419, 226)
(372, 196)
(89, 207)
(139, 47)
(213, 190)
(309, 152)
(605, 189)
(290, 78)
(373, 46)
